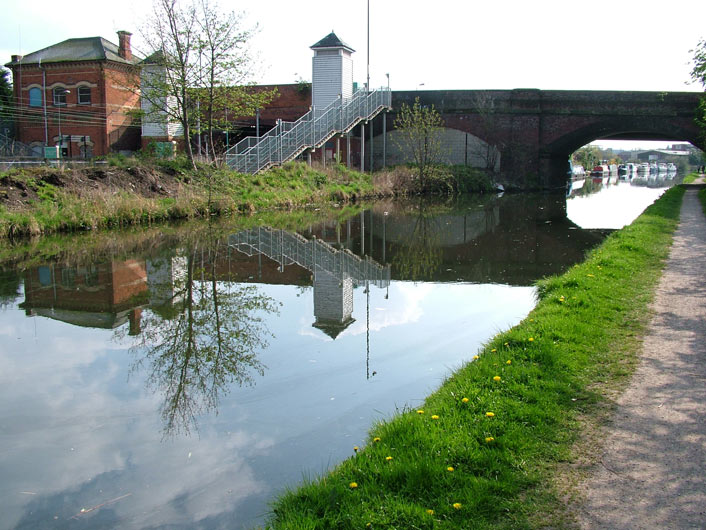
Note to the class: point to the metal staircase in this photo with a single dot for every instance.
(287, 140)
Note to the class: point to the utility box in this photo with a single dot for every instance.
(52, 152)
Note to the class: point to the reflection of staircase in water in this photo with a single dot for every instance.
(288, 248)
(335, 271)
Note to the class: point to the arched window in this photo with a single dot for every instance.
(60, 96)
(84, 95)
(35, 97)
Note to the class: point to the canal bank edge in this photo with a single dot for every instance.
(505, 441)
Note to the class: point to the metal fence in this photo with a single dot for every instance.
(287, 140)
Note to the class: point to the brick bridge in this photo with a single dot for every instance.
(536, 131)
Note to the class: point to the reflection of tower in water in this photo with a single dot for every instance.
(336, 271)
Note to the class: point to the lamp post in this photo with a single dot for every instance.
(63, 92)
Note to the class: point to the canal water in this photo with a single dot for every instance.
(182, 378)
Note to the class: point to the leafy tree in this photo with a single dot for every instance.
(225, 65)
(200, 53)
(588, 156)
(420, 136)
(698, 74)
(5, 98)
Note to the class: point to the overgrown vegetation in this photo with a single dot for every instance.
(486, 450)
(111, 197)
(206, 192)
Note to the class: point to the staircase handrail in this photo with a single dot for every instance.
(287, 140)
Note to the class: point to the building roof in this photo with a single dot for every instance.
(83, 49)
(331, 41)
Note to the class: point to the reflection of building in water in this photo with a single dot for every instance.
(103, 295)
(165, 279)
(335, 271)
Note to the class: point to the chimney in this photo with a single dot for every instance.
(16, 58)
(124, 45)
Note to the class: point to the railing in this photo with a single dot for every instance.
(287, 140)
(287, 248)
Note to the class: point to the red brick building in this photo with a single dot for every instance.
(76, 95)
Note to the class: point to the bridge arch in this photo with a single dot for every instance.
(458, 148)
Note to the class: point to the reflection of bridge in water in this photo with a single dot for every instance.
(336, 271)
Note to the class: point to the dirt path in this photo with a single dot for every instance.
(652, 473)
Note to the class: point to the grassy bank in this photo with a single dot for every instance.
(501, 442)
(129, 192)
(59, 204)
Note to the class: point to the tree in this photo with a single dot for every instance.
(6, 113)
(225, 64)
(488, 151)
(420, 135)
(198, 54)
(589, 156)
(698, 74)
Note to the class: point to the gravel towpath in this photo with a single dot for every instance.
(652, 473)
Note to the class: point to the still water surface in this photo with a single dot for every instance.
(183, 380)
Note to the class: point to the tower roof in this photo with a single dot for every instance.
(331, 41)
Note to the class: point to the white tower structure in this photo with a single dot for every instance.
(332, 71)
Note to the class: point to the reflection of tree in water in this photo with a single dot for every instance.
(420, 254)
(205, 337)
(9, 286)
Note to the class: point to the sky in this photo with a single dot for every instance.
(423, 45)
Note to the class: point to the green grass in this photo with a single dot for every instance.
(557, 370)
(690, 178)
(206, 192)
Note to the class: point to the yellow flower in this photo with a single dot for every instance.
(430, 512)
(490, 414)
(420, 411)
(508, 361)
(353, 485)
(355, 448)
(450, 468)
(388, 458)
(457, 505)
(496, 378)
(531, 339)
(489, 439)
(434, 417)
(376, 439)
(475, 357)
(465, 400)
(493, 350)
(591, 276)
(507, 344)
(531, 320)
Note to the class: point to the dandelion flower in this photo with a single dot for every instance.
(420, 411)
(508, 361)
(376, 439)
(434, 417)
(493, 350)
(450, 468)
(531, 320)
(507, 344)
(591, 276)
(430, 512)
(465, 400)
(388, 458)
(531, 339)
(490, 414)
(457, 505)
(496, 378)
(475, 357)
(353, 485)
(489, 439)
(356, 448)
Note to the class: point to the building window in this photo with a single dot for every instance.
(60, 96)
(35, 97)
(84, 95)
